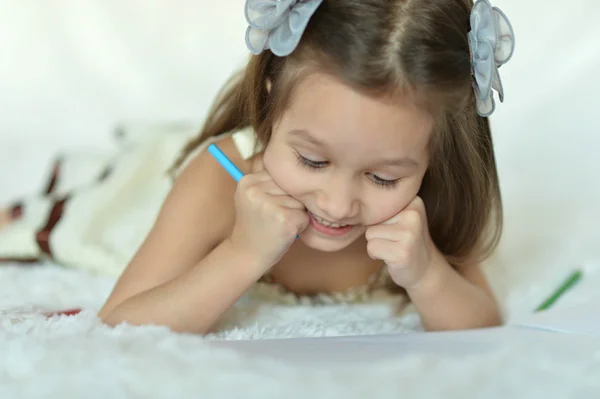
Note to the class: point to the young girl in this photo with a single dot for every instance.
(362, 131)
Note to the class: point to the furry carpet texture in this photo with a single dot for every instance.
(264, 350)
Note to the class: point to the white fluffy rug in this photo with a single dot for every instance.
(75, 357)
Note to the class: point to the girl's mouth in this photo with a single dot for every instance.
(328, 228)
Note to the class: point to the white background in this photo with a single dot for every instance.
(70, 70)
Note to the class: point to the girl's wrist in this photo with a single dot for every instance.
(433, 280)
(245, 257)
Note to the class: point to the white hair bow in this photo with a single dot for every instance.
(492, 43)
(277, 25)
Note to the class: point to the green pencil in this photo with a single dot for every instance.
(573, 278)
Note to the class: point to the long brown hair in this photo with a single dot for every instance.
(386, 48)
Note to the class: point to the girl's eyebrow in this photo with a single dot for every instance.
(305, 135)
(404, 162)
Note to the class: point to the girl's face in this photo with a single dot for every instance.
(352, 160)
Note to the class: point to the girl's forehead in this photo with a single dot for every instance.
(331, 112)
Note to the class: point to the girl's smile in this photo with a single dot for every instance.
(328, 228)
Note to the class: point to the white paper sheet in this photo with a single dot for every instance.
(376, 348)
(582, 318)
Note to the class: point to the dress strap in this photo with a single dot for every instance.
(246, 142)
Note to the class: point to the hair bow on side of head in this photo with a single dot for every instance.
(277, 25)
(492, 43)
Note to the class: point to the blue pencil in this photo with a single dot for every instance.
(225, 162)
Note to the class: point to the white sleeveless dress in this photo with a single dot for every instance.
(97, 209)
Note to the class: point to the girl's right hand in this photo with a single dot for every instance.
(267, 219)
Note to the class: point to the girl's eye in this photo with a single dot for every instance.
(309, 163)
(383, 182)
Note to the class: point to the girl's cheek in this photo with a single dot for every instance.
(272, 161)
(379, 214)
(382, 209)
(282, 170)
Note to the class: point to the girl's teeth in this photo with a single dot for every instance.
(326, 223)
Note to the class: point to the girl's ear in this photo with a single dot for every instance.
(268, 84)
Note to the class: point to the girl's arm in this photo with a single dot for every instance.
(163, 284)
(448, 299)
(445, 298)
(193, 301)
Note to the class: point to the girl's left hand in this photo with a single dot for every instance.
(404, 244)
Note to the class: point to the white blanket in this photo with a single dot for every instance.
(77, 356)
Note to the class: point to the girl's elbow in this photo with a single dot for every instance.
(109, 318)
(495, 320)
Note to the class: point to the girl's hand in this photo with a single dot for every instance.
(267, 219)
(404, 244)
